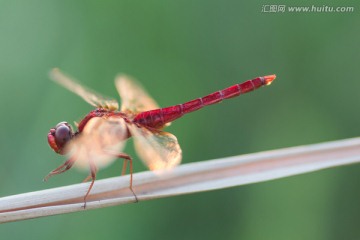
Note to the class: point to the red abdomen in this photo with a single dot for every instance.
(157, 118)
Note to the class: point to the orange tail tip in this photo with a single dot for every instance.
(269, 79)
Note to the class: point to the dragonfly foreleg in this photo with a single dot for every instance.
(62, 168)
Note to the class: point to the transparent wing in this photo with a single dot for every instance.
(158, 150)
(100, 141)
(88, 95)
(133, 97)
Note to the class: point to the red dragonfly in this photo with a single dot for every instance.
(102, 134)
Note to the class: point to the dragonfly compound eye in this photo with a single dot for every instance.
(59, 136)
(63, 134)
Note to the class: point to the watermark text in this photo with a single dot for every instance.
(306, 9)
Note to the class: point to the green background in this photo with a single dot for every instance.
(182, 50)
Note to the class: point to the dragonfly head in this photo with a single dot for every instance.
(59, 136)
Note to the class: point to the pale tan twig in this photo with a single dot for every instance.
(188, 178)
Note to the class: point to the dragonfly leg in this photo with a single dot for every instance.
(62, 168)
(127, 158)
(93, 170)
(87, 178)
(123, 171)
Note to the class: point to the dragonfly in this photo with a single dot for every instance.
(101, 135)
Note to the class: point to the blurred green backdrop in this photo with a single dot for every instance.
(181, 50)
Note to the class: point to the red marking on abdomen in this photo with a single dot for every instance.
(157, 118)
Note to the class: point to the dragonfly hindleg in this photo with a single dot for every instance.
(127, 159)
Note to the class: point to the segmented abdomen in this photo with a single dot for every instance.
(157, 118)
